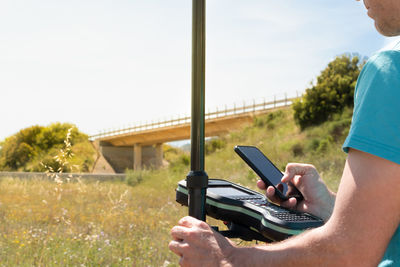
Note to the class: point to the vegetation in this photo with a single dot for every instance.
(82, 223)
(33, 148)
(333, 91)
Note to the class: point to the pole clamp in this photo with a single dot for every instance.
(197, 179)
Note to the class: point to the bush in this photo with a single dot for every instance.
(268, 120)
(313, 144)
(184, 159)
(324, 144)
(30, 147)
(333, 92)
(338, 129)
(213, 145)
(297, 150)
(134, 177)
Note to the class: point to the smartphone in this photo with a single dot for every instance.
(267, 171)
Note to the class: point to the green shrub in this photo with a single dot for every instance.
(332, 92)
(324, 144)
(268, 120)
(133, 177)
(30, 147)
(297, 149)
(338, 129)
(313, 144)
(184, 159)
(213, 145)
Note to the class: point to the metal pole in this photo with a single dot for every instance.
(197, 179)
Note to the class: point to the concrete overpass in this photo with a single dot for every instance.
(141, 146)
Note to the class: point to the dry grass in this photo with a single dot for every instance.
(108, 224)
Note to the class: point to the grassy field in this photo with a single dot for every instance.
(78, 223)
(87, 224)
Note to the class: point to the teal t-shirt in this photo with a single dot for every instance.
(375, 126)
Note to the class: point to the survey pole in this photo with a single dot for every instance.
(197, 179)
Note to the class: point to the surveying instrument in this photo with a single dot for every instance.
(248, 214)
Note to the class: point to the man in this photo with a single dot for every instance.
(362, 220)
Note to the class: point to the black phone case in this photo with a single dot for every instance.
(263, 177)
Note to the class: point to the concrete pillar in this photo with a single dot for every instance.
(137, 157)
(159, 155)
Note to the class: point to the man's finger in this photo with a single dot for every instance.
(290, 203)
(179, 233)
(293, 169)
(188, 221)
(270, 193)
(185, 221)
(261, 185)
(178, 247)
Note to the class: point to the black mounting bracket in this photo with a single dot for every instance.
(242, 232)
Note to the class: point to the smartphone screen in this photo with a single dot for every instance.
(267, 171)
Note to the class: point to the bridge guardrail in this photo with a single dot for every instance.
(249, 108)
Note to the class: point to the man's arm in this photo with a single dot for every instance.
(366, 215)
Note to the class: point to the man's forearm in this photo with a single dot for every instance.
(313, 248)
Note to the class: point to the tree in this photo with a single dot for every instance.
(334, 90)
(27, 149)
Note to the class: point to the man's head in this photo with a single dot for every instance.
(386, 14)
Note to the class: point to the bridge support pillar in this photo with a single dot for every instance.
(159, 155)
(137, 157)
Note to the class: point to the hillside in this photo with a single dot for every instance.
(282, 141)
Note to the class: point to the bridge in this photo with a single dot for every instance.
(140, 146)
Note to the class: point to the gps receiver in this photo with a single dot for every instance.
(249, 213)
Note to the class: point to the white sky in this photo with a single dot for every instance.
(104, 64)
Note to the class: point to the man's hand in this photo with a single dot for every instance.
(198, 245)
(318, 200)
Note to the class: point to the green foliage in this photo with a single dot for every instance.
(175, 155)
(333, 92)
(297, 149)
(339, 128)
(324, 144)
(134, 177)
(313, 144)
(184, 159)
(268, 120)
(177, 159)
(32, 148)
(214, 144)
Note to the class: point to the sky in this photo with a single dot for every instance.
(105, 64)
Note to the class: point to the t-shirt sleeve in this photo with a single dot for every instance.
(375, 127)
